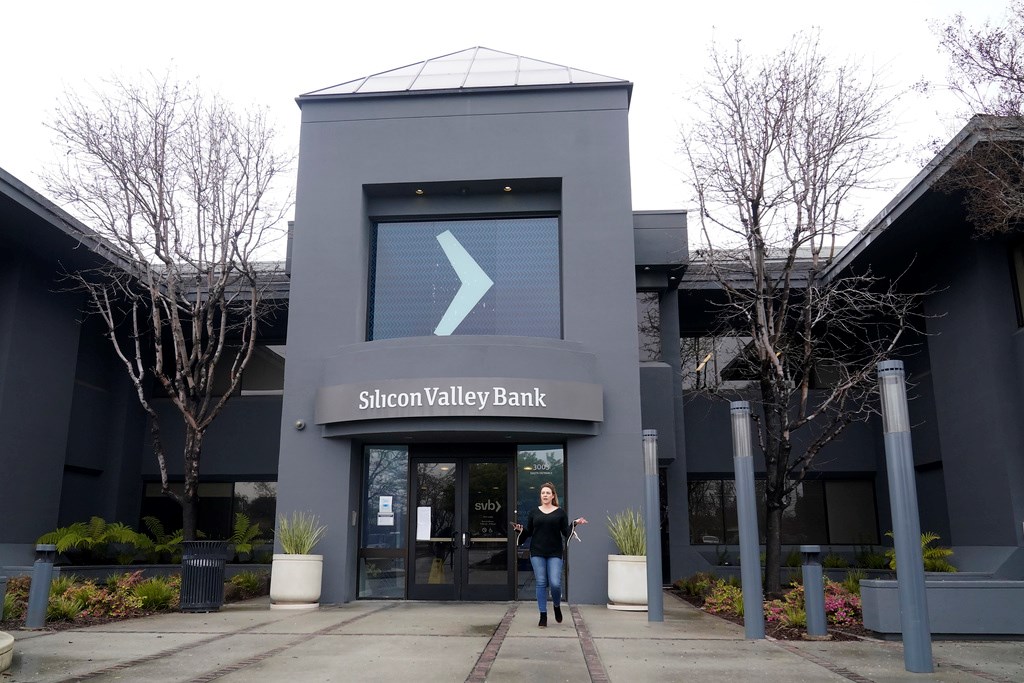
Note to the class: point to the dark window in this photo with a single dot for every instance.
(218, 503)
(838, 512)
(511, 267)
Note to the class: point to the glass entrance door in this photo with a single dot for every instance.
(462, 548)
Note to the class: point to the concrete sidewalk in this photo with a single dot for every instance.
(416, 641)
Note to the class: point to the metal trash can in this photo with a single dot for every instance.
(202, 575)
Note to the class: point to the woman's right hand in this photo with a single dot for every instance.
(517, 527)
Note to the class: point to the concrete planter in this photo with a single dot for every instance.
(627, 582)
(955, 606)
(6, 650)
(295, 581)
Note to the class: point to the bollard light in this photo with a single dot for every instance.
(906, 522)
(39, 591)
(652, 525)
(746, 509)
(814, 591)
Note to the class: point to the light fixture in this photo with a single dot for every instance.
(527, 469)
(508, 188)
(300, 425)
(419, 190)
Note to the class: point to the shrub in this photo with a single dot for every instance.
(64, 608)
(698, 585)
(300, 533)
(627, 530)
(245, 535)
(62, 583)
(12, 609)
(834, 561)
(934, 557)
(249, 584)
(155, 593)
(793, 558)
(724, 599)
(842, 607)
(851, 584)
(97, 539)
(869, 559)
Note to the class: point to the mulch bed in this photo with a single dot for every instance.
(780, 632)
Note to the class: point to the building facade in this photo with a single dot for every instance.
(474, 310)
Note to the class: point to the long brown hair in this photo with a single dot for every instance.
(554, 492)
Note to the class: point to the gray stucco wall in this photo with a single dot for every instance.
(977, 379)
(38, 352)
(578, 136)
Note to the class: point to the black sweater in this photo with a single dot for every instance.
(547, 531)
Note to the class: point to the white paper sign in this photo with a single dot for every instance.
(423, 523)
(384, 505)
(386, 520)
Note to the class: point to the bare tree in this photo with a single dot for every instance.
(179, 188)
(781, 144)
(986, 72)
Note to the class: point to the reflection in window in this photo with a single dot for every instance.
(535, 465)
(218, 504)
(840, 512)
(384, 515)
(648, 318)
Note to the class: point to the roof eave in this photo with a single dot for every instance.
(924, 181)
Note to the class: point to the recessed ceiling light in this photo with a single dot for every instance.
(508, 188)
(419, 190)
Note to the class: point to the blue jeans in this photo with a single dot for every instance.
(547, 570)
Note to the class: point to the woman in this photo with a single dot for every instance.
(547, 525)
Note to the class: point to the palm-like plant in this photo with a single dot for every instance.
(245, 534)
(97, 536)
(934, 556)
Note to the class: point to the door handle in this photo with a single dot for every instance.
(464, 540)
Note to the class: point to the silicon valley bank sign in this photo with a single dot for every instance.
(461, 397)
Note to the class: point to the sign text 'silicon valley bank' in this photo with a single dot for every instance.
(454, 395)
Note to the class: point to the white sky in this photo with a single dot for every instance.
(265, 54)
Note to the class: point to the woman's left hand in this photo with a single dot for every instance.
(580, 520)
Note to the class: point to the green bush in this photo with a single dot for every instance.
(794, 616)
(934, 557)
(155, 593)
(698, 585)
(851, 583)
(724, 599)
(64, 608)
(793, 559)
(627, 531)
(300, 533)
(249, 584)
(834, 561)
(12, 609)
(62, 583)
(245, 535)
(97, 540)
(869, 559)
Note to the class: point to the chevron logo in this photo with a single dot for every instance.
(475, 283)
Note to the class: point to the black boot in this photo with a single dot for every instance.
(558, 614)
(543, 619)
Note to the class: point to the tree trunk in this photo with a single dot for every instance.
(773, 552)
(190, 499)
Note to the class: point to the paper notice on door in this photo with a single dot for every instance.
(384, 505)
(423, 523)
(385, 520)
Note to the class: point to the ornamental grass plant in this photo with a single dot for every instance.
(300, 533)
(627, 530)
